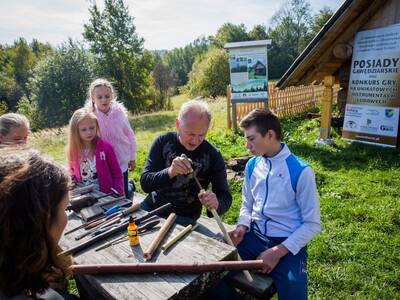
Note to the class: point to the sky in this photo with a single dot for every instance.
(164, 24)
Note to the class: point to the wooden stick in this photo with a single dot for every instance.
(229, 241)
(178, 237)
(196, 267)
(222, 227)
(161, 234)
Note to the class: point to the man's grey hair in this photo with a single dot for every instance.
(199, 107)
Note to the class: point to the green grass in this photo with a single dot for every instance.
(357, 254)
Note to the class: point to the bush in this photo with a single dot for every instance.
(210, 74)
(31, 111)
(59, 83)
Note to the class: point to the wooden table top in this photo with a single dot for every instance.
(194, 247)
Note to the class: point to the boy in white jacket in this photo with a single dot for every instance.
(280, 212)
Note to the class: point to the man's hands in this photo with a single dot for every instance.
(238, 234)
(271, 257)
(208, 199)
(180, 166)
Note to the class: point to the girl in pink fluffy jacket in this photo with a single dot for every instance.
(90, 158)
(114, 124)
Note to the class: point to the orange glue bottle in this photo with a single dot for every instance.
(133, 233)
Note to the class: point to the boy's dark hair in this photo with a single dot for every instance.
(263, 120)
(31, 190)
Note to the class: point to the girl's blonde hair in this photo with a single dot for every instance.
(12, 120)
(75, 145)
(96, 83)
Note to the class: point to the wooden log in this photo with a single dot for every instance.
(161, 234)
(196, 267)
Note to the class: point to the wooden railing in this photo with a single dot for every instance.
(288, 102)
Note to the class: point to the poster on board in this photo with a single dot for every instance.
(372, 109)
(248, 70)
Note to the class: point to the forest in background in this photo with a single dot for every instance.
(48, 83)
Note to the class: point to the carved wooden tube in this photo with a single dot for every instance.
(177, 237)
(195, 267)
(161, 234)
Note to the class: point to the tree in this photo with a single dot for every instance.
(210, 74)
(290, 34)
(229, 33)
(119, 52)
(164, 79)
(258, 32)
(23, 62)
(180, 60)
(59, 83)
(320, 19)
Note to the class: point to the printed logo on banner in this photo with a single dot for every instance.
(351, 124)
(387, 128)
(389, 113)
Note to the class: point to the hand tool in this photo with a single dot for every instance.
(104, 218)
(76, 249)
(120, 239)
(84, 201)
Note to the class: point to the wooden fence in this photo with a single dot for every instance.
(288, 102)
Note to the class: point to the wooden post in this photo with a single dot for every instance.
(234, 116)
(228, 106)
(326, 113)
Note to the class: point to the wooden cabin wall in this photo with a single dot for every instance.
(388, 15)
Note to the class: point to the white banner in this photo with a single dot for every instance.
(372, 110)
(248, 68)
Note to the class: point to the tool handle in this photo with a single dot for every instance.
(134, 207)
(228, 239)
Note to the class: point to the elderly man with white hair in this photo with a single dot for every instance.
(175, 158)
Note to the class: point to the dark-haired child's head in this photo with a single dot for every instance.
(33, 198)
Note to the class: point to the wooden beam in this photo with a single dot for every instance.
(326, 113)
(342, 51)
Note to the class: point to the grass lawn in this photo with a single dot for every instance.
(357, 254)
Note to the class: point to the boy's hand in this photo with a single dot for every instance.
(238, 234)
(132, 165)
(271, 257)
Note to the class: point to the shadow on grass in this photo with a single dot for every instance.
(153, 122)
